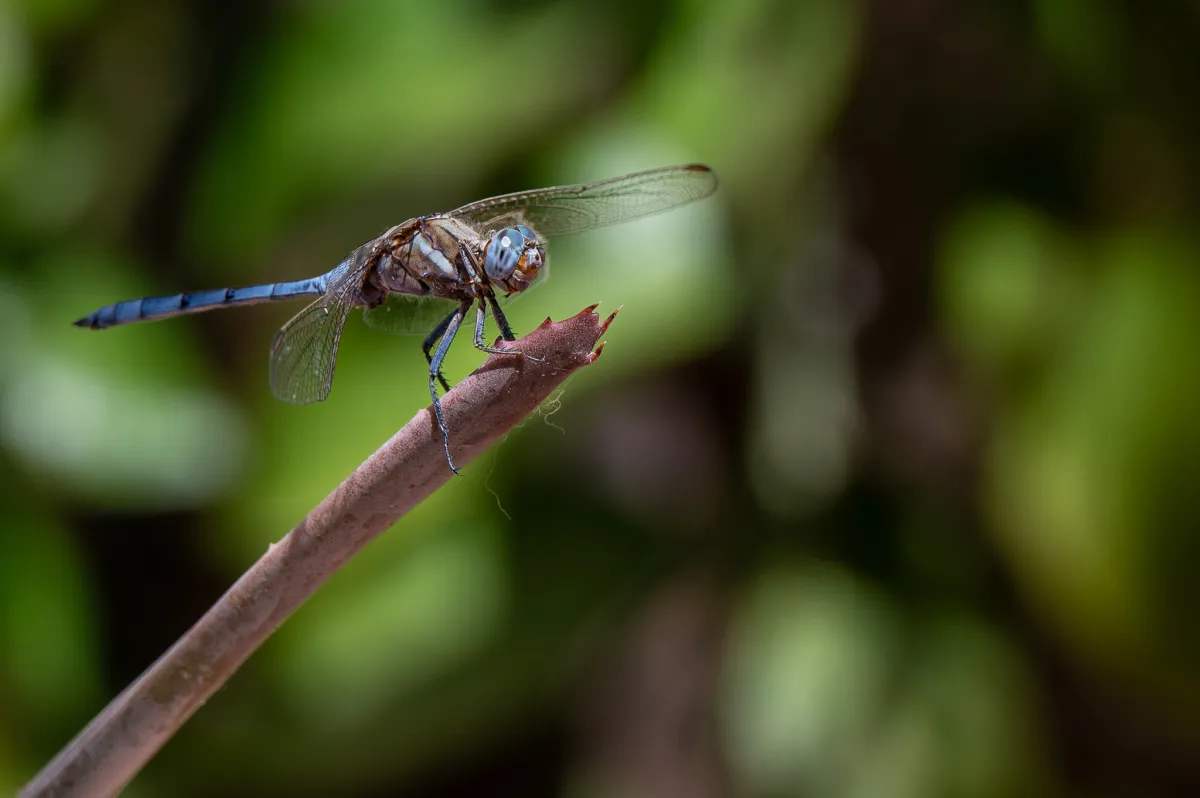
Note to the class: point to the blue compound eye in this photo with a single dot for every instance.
(503, 252)
(525, 231)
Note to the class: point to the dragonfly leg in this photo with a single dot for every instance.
(431, 339)
(449, 330)
(472, 267)
(480, 318)
(501, 322)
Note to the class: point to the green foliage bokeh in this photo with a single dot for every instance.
(884, 486)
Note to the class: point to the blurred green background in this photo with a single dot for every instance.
(887, 483)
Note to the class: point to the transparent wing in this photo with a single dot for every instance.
(571, 209)
(404, 314)
(304, 351)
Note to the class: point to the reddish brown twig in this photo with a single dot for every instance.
(496, 397)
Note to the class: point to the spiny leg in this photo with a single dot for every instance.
(480, 318)
(472, 266)
(505, 330)
(451, 326)
(501, 322)
(431, 339)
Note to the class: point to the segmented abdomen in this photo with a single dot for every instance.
(159, 307)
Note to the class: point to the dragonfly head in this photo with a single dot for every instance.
(513, 257)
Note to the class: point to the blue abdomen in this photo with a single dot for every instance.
(161, 307)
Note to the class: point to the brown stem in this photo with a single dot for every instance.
(119, 741)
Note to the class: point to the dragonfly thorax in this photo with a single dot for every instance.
(513, 257)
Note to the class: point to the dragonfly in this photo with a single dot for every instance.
(425, 274)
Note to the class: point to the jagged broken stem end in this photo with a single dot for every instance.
(409, 467)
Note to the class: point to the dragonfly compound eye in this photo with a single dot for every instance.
(503, 251)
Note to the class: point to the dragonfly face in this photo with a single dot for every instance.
(513, 258)
(450, 262)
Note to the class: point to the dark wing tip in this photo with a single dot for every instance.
(700, 168)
